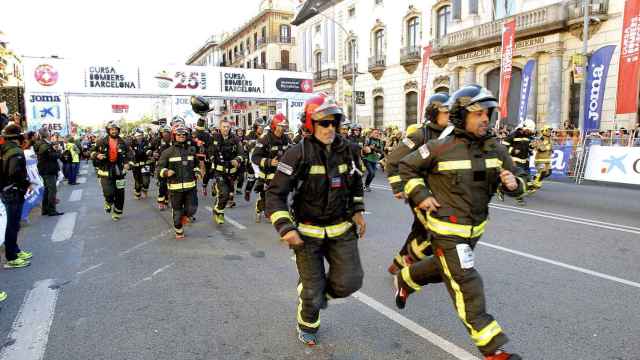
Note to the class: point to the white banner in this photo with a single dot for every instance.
(47, 110)
(614, 164)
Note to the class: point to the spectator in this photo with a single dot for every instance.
(34, 176)
(48, 155)
(74, 160)
(373, 151)
(4, 119)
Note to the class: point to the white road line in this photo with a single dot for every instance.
(64, 228)
(566, 266)
(83, 172)
(229, 220)
(76, 195)
(436, 340)
(148, 278)
(125, 252)
(89, 269)
(82, 180)
(30, 330)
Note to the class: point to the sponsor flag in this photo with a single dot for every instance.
(627, 98)
(525, 90)
(597, 71)
(426, 55)
(508, 38)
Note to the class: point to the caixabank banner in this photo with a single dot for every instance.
(619, 164)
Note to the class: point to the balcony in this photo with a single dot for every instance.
(325, 76)
(260, 66)
(286, 67)
(279, 40)
(261, 42)
(598, 12)
(377, 65)
(537, 22)
(348, 71)
(410, 58)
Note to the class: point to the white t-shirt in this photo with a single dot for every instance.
(32, 168)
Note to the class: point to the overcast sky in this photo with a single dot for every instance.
(133, 31)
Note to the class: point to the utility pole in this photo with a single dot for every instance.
(585, 50)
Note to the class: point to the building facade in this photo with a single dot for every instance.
(387, 37)
(209, 54)
(10, 65)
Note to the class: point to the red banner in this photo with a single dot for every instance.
(425, 78)
(508, 38)
(629, 70)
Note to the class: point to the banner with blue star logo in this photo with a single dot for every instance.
(620, 164)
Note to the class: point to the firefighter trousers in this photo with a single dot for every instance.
(417, 246)
(183, 203)
(141, 178)
(453, 265)
(163, 191)
(315, 286)
(224, 192)
(251, 177)
(113, 190)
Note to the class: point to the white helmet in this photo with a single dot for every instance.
(528, 125)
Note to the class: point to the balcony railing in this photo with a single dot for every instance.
(260, 66)
(348, 69)
(288, 40)
(537, 21)
(377, 62)
(287, 67)
(410, 54)
(597, 7)
(325, 75)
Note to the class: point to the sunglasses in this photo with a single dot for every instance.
(326, 123)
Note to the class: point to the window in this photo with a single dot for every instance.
(255, 41)
(413, 32)
(574, 102)
(264, 33)
(504, 8)
(255, 63)
(318, 28)
(284, 59)
(285, 34)
(351, 51)
(379, 43)
(263, 59)
(411, 108)
(444, 18)
(473, 7)
(318, 59)
(352, 11)
(378, 2)
(248, 45)
(249, 64)
(378, 112)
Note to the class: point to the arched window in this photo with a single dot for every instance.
(351, 51)
(318, 59)
(444, 18)
(413, 32)
(378, 112)
(411, 108)
(378, 48)
(285, 34)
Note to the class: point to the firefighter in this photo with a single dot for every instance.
(141, 164)
(113, 156)
(202, 139)
(252, 170)
(161, 144)
(239, 131)
(417, 245)
(356, 136)
(452, 180)
(179, 165)
(520, 148)
(269, 149)
(544, 153)
(226, 154)
(344, 129)
(325, 219)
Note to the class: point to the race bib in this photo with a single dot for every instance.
(424, 151)
(465, 254)
(145, 169)
(409, 142)
(284, 168)
(120, 184)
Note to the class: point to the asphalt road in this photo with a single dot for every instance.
(561, 276)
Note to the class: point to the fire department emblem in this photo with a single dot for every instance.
(46, 75)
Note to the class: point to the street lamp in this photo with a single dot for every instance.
(354, 70)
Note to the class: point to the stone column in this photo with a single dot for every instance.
(454, 80)
(554, 113)
(470, 75)
(532, 107)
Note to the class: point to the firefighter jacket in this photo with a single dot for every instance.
(544, 150)
(328, 189)
(141, 153)
(181, 159)
(222, 151)
(519, 146)
(358, 140)
(269, 147)
(106, 168)
(462, 172)
(202, 140)
(410, 143)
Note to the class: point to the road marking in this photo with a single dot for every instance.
(82, 180)
(30, 330)
(125, 252)
(436, 340)
(83, 172)
(566, 266)
(229, 220)
(148, 278)
(76, 195)
(64, 228)
(89, 269)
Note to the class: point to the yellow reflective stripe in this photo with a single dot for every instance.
(222, 168)
(454, 165)
(543, 160)
(180, 186)
(406, 276)
(262, 175)
(418, 249)
(311, 231)
(280, 215)
(447, 228)
(521, 161)
(103, 173)
(342, 168)
(400, 260)
(262, 162)
(485, 335)
(299, 314)
(412, 184)
(317, 170)
(394, 179)
(492, 163)
(299, 289)
(358, 199)
(319, 231)
(521, 139)
(175, 159)
(339, 229)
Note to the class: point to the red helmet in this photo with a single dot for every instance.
(278, 120)
(317, 107)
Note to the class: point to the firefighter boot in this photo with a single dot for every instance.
(402, 294)
(501, 355)
(307, 338)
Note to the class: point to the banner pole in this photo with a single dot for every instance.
(585, 50)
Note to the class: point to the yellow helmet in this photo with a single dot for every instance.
(413, 128)
(546, 130)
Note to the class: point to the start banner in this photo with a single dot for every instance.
(619, 164)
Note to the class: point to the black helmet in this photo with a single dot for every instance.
(112, 125)
(356, 127)
(467, 99)
(200, 105)
(437, 103)
(177, 120)
(12, 131)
